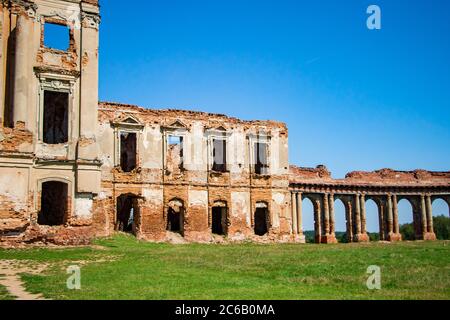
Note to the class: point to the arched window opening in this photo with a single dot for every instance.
(175, 217)
(219, 218)
(127, 211)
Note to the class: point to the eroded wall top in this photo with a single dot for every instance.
(320, 174)
(166, 116)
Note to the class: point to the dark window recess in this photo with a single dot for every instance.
(56, 36)
(128, 151)
(126, 213)
(261, 221)
(219, 155)
(261, 161)
(219, 220)
(175, 220)
(56, 117)
(53, 204)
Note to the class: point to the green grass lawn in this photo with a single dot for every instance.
(4, 294)
(129, 269)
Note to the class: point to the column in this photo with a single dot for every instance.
(299, 214)
(89, 83)
(362, 201)
(357, 215)
(395, 214)
(423, 214)
(20, 96)
(294, 213)
(381, 219)
(2, 59)
(88, 174)
(430, 227)
(389, 214)
(326, 215)
(332, 218)
(348, 213)
(317, 221)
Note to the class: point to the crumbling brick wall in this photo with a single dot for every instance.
(166, 173)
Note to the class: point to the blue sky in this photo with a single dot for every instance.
(353, 99)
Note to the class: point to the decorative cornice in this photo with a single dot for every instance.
(72, 73)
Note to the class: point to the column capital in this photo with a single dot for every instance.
(90, 20)
(24, 7)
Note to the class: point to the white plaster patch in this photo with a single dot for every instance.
(240, 204)
(83, 207)
(198, 147)
(152, 144)
(52, 59)
(278, 198)
(154, 196)
(47, 151)
(14, 185)
(102, 195)
(198, 198)
(106, 145)
(237, 151)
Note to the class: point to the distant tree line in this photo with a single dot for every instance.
(441, 226)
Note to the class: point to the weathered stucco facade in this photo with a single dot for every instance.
(72, 168)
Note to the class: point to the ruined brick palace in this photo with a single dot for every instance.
(72, 168)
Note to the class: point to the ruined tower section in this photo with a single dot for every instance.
(49, 163)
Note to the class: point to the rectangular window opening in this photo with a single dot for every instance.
(219, 155)
(54, 204)
(128, 150)
(56, 117)
(56, 36)
(175, 152)
(261, 161)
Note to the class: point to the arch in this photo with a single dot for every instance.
(308, 218)
(406, 218)
(219, 218)
(373, 219)
(440, 205)
(261, 218)
(54, 202)
(414, 206)
(127, 212)
(316, 200)
(175, 204)
(340, 220)
(220, 203)
(175, 216)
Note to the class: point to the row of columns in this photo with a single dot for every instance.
(355, 207)
(297, 222)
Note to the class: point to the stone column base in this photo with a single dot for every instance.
(431, 236)
(329, 238)
(300, 238)
(394, 237)
(361, 237)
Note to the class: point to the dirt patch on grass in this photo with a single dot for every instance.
(10, 271)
